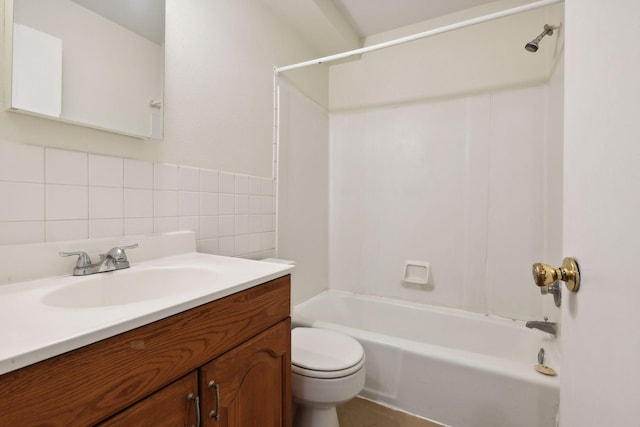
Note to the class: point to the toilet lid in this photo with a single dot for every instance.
(322, 353)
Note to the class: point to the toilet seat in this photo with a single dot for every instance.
(326, 374)
(324, 354)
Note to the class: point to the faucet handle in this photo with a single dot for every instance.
(118, 253)
(83, 258)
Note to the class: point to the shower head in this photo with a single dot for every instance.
(532, 46)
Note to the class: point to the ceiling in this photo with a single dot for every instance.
(330, 26)
(333, 26)
(369, 17)
(145, 17)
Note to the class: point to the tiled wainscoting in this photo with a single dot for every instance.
(50, 194)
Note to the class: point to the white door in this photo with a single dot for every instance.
(600, 375)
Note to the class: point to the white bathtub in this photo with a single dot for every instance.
(452, 367)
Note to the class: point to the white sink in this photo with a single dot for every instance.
(51, 312)
(131, 286)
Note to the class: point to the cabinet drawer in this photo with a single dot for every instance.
(88, 385)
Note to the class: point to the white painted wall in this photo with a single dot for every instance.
(303, 191)
(218, 91)
(109, 72)
(458, 183)
(601, 344)
(488, 56)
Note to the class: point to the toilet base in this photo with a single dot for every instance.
(308, 416)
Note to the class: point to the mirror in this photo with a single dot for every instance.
(96, 63)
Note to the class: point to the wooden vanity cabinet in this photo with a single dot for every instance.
(244, 387)
(232, 354)
(174, 405)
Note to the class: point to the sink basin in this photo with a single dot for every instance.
(130, 286)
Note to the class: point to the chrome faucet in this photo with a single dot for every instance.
(114, 259)
(548, 327)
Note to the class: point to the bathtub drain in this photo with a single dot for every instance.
(542, 368)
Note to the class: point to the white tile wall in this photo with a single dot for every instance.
(67, 230)
(21, 163)
(66, 167)
(227, 225)
(165, 203)
(134, 226)
(255, 205)
(188, 179)
(67, 202)
(227, 183)
(106, 171)
(138, 203)
(188, 203)
(227, 204)
(242, 184)
(106, 228)
(208, 227)
(227, 246)
(165, 177)
(21, 232)
(242, 204)
(255, 186)
(268, 187)
(51, 195)
(22, 201)
(241, 225)
(255, 223)
(165, 225)
(138, 174)
(106, 202)
(189, 223)
(209, 203)
(209, 181)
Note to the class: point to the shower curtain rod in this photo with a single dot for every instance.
(429, 33)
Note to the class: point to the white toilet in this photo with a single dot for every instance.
(327, 370)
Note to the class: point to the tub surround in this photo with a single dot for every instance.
(467, 185)
(57, 329)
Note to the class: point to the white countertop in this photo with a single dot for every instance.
(32, 329)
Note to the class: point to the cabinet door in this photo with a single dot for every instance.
(174, 405)
(250, 385)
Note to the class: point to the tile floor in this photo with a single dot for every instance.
(364, 413)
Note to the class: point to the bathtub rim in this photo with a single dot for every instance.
(417, 305)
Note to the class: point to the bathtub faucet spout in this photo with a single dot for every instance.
(548, 327)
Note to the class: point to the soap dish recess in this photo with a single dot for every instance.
(416, 272)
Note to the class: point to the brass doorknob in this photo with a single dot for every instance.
(569, 273)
